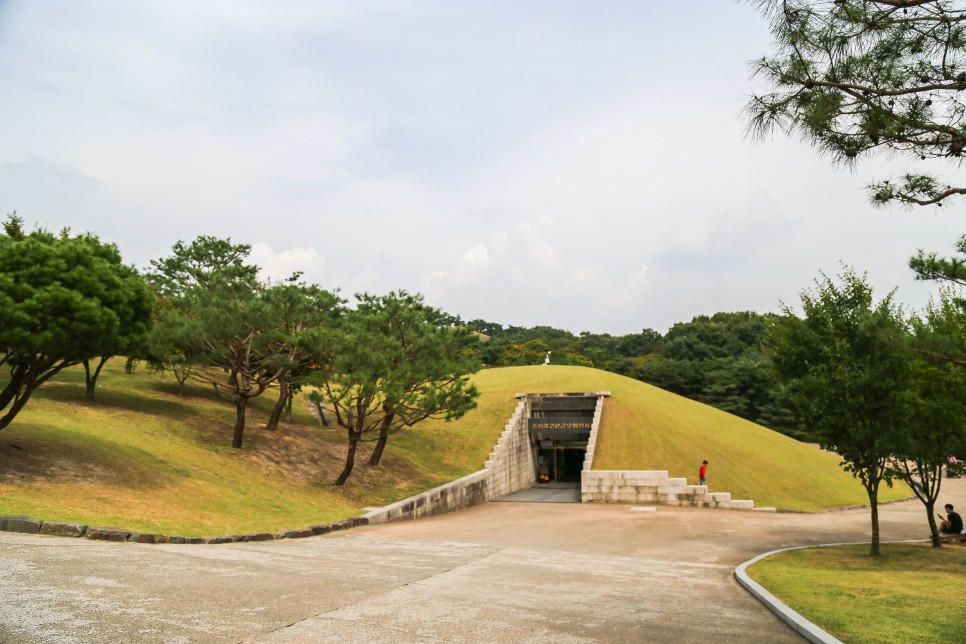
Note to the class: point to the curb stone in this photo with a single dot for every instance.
(21, 524)
(28, 525)
(58, 529)
(795, 620)
(107, 534)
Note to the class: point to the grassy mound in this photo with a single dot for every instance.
(143, 458)
(646, 428)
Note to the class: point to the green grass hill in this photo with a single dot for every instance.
(143, 458)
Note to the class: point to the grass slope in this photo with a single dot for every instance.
(143, 458)
(645, 428)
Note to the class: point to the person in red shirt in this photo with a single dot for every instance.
(702, 471)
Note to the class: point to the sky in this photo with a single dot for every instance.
(581, 165)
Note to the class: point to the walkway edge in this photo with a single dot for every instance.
(799, 624)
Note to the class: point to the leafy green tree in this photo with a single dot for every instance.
(848, 374)
(303, 311)
(191, 271)
(203, 265)
(717, 360)
(531, 352)
(63, 300)
(394, 362)
(224, 323)
(949, 343)
(938, 422)
(856, 77)
(648, 341)
(167, 349)
(951, 270)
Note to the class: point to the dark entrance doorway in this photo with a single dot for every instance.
(562, 462)
(559, 428)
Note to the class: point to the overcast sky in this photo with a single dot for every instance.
(582, 165)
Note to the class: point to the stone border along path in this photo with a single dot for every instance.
(794, 619)
(28, 525)
(496, 572)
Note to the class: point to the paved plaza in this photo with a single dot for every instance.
(498, 572)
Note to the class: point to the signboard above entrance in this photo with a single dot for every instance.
(561, 428)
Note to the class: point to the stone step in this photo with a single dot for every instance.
(739, 505)
(631, 474)
(672, 489)
(720, 497)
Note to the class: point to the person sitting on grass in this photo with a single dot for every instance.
(952, 523)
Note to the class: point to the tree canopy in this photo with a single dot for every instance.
(394, 362)
(855, 77)
(220, 326)
(848, 375)
(63, 300)
(930, 266)
(937, 425)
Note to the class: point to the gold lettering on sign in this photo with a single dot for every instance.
(568, 425)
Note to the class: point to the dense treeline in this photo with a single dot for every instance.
(386, 363)
(718, 360)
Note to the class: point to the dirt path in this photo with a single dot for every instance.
(499, 572)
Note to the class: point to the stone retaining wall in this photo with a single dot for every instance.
(511, 465)
(592, 440)
(509, 468)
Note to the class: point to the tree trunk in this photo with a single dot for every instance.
(181, 375)
(873, 492)
(23, 381)
(321, 412)
(14, 409)
(350, 457)
(91, 379)
(284, 393)
(383, 439)
(933, 528)
(240, 404)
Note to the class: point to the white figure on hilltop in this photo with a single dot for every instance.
(546, 360)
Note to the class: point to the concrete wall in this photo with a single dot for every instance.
(461, 493)
(509, 468)
(592, 441)
(511, 463)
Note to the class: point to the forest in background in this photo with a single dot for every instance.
(717, 360)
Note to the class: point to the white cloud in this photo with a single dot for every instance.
(278, 266)
(526, 163)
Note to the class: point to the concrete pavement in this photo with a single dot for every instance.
(499, 572)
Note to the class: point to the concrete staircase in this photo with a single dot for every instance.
(653, 486)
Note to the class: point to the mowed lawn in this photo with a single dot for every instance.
(912, 593)
(143, 458)
(646, 428)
